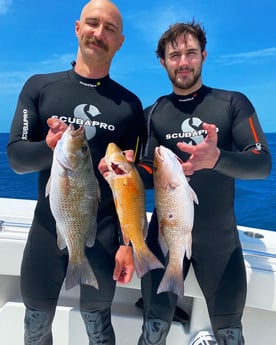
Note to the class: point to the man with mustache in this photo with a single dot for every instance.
(84, 95)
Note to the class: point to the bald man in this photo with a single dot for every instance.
(84, 95)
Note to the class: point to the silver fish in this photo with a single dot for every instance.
(74, 195)
(174, 201)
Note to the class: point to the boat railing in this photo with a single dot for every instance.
(14, 227)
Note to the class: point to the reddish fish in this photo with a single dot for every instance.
(129, 198)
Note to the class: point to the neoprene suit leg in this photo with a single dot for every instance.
(230, 336)
(154, 332)
(38, 327)
(98, 327)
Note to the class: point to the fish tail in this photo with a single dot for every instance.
(188, 246)
(81, 273)
(172, 281)
(145, 261)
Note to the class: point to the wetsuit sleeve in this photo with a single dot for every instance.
(135, 139)
(135, 135)
(27, 149)
(251, 159)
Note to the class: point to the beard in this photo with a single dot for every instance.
(184, 83)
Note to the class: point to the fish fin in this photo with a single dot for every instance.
(188, 245)
(80, 274)
(48, 186)
(145, 261)
(91, 234)
(62, 159)
(162, 242)
(145, 227)
(60, 240)
(125, 239)
(172, 281)
(192, 194)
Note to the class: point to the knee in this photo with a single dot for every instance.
(229, 336)
(154, 332)
(38, 327)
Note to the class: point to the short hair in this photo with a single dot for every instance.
(170, 36)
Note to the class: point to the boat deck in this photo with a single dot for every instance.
(259, 319)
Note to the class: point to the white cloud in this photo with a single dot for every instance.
(59, 61)
(252, 56)
(151, 23)
(5, 6)
(11, 82)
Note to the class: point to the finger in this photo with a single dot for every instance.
(125, 276)
(185, 147)
(129, 155)
(117, 271)
(211, 131)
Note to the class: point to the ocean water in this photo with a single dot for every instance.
(255, 203)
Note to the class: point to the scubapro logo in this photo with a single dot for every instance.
(87, 112)
(192, 132)
(84, 115)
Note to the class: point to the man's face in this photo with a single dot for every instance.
(99, 32)
(183, 62)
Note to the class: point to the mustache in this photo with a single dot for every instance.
(97, 42)
(184, 69)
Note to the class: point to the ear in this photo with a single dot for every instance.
(77, 27)
(121, 41)
(162, 62)
(204, 55)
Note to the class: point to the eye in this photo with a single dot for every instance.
(111, 28)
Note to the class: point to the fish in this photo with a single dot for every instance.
(74, 196)
(174, 202)
(129, 199)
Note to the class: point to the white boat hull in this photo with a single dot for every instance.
(68, 329)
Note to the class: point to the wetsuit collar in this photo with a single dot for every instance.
(191, 97)
(93, 83)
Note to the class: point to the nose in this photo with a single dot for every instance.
(183, 61)
(98, 32)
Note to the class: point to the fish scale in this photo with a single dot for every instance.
(74, 195)
(174, 201)
(129, 198)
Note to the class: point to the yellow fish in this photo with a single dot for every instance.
(129, 198)
(74, 195)
(174, 201)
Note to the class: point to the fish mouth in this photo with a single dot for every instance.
(74, 132)
(158, 153)
(161, 156)
(117, 169)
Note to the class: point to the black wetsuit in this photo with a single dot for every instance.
(110, 113)
(216, 250)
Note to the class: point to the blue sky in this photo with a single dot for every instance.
(38, 37)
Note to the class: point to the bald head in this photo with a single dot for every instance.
(108, 7)
(99, 33)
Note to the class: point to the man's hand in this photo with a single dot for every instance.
(57, 127)
(204, 155)
(124, 265)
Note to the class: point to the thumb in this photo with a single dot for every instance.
(117, 270)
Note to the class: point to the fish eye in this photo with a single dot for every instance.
(84, 148)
